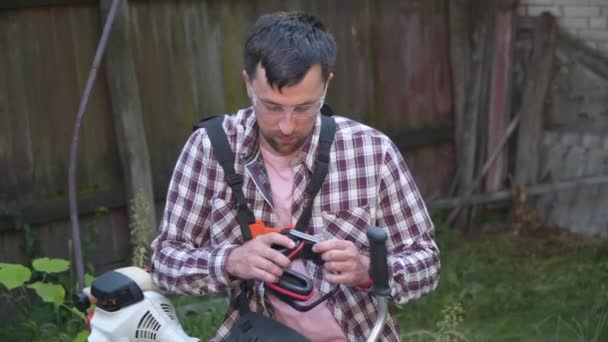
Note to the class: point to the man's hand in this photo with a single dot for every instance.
(343, 262)
(255, 259)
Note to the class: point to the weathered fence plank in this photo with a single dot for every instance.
(14, 4)
(500, 96)
(537, 84)
(127, 117)
(460, 59)
(551, 155)
(533, 190)
(49, 210)
(44, 71)
(19, 155)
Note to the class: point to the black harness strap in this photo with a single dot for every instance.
(225, 157)
(245, 217)
(326, 138)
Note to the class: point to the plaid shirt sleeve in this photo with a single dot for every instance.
(184, 260)
(414, 260)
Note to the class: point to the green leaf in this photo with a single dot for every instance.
(51, 265)
(14, 275)
(88, 280)
(50, 293)
(82, 336)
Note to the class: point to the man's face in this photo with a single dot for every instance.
(286, 119)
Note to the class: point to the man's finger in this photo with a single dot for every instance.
(275, 257)
(265, 276)
(269, 266)
(325, 246)
(337, 278)
(340, 266)
(337, 255)
(278, 239)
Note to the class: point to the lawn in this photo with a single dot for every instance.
(506, 286)
(517, 286)
(541, 285)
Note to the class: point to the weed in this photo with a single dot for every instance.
(30, 244)
(515, 287)
(141, 229)
(49, 315)
(493, 287)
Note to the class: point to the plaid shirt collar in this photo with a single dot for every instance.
(249, 147)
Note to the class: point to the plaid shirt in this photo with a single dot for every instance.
(368, 183)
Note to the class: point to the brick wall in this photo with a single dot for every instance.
(586, 19)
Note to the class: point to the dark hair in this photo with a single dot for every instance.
(288, 44)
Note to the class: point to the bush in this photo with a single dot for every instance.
(37, 297)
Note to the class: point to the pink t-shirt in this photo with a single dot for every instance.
(318, 324)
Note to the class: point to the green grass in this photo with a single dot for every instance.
(508, 286)
(200, 316)
(545, 286)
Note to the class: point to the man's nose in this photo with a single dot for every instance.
(288, 123)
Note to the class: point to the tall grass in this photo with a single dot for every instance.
(508, 286)
(519, 286)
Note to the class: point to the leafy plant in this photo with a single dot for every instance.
(447, 327)
(18, 279)
(452, 317)
(13, 276)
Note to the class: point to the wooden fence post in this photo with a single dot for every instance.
(533, 99)
(500, 93)
(460, 60)
(469, 54)
(128, 118)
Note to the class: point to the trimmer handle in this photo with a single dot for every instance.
(378, 260)
(83, 300)
(378, 264)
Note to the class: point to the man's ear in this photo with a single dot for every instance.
(246, 80)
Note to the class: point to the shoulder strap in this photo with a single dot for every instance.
(326, 138)
(326, 110)
(225, 157)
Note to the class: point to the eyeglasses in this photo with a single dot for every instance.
(275, 110)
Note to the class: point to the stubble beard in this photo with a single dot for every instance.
(284, 150)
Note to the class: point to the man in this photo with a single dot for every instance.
(288, 61)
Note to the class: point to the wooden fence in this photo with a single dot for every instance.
(567, 139)
(392, 72)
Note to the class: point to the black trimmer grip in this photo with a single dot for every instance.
(81, 301)
(378, 260)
